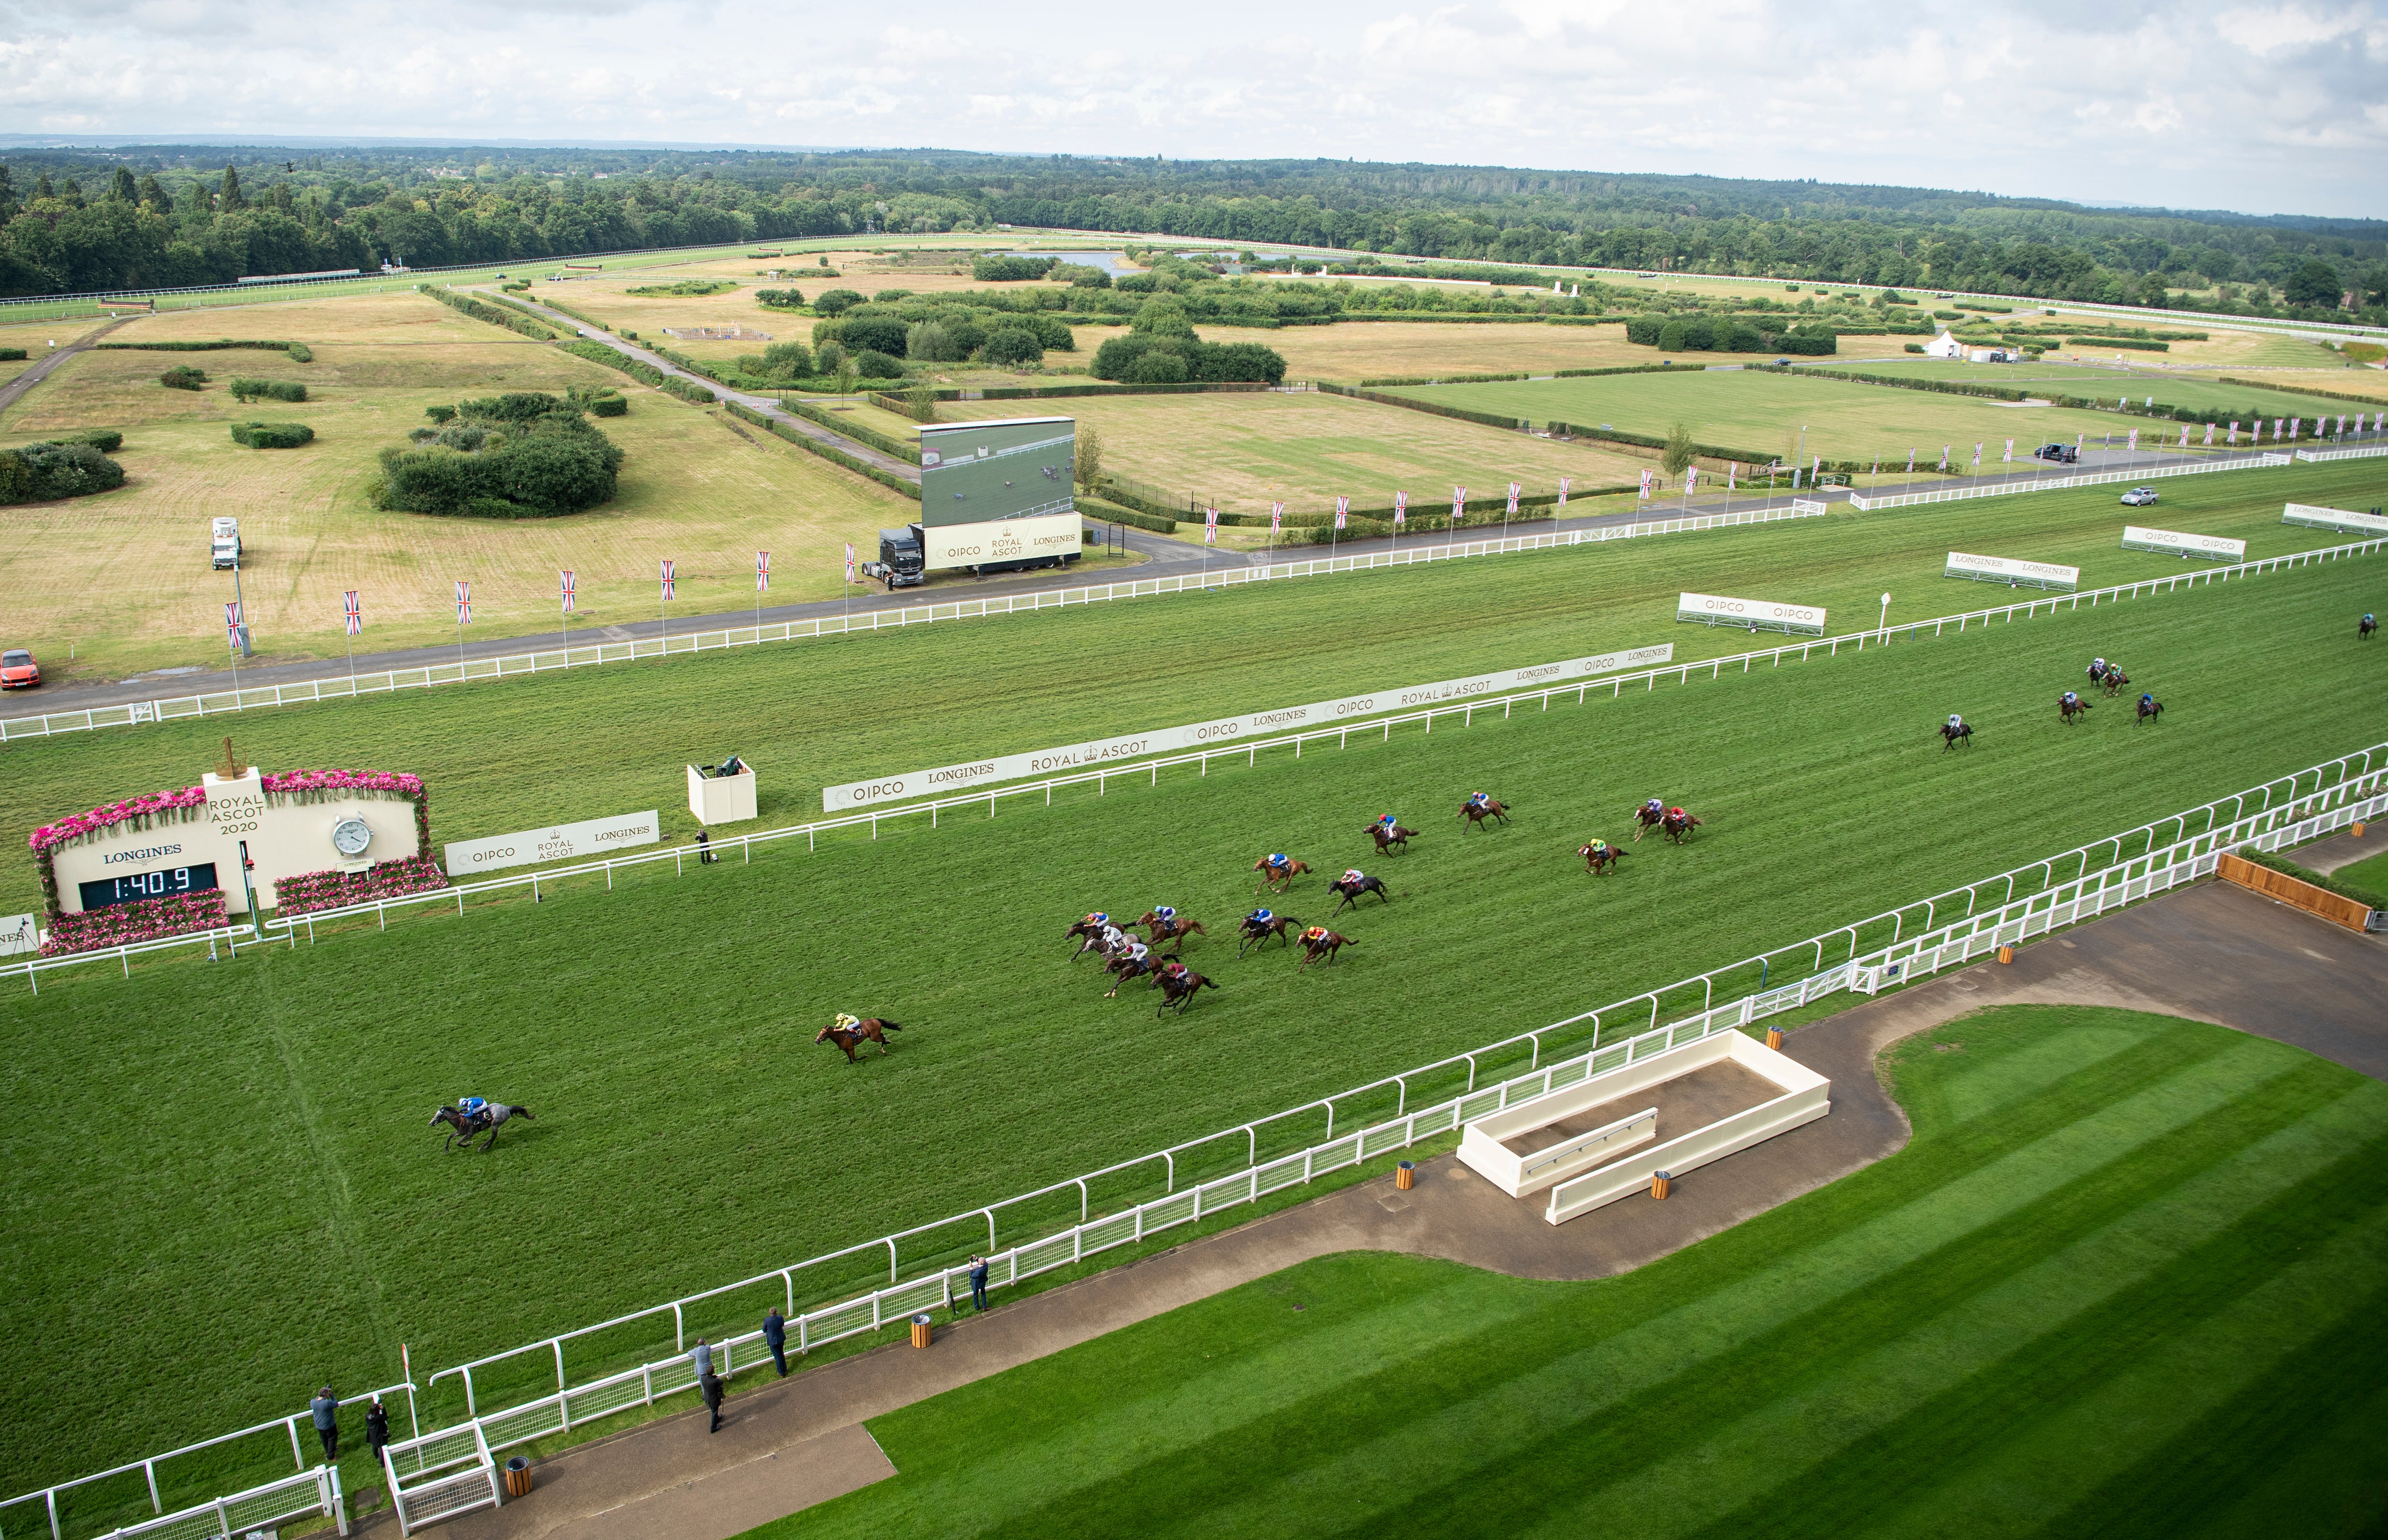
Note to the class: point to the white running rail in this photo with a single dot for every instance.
(2366, 451)
(2057, 484)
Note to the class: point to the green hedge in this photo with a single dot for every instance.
(1520, 424)
(482, 311)
(2326, 883)
(217, 345)
(2133, 345)
(1112, 512)
(612, 403)
(273, 436)
(597, 352)
(829, 452)
(576, 313)
(300, 353)
(686, 390)
(2302, 390)
(44, 473)
(1442, 379)
(106, 440)
(9, 355)
(855, 431)
(271, 390)
(184, 377)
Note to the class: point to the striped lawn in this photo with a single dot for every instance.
(2127, 1278)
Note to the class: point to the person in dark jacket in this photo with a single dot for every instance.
(377, 1430)
(326, 1410)
(978, 1282)
(775, 1337)
(711, 1389)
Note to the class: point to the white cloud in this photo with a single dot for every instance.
(2194, 104)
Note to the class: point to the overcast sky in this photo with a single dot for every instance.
(2257, 106)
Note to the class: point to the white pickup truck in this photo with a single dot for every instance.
(224, 542)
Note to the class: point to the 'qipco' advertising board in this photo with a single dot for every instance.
(2012, 572)
(590, 836)
(1756, 615)
(2172, 542)
(286, 834)
(998, 491)
(946, 779)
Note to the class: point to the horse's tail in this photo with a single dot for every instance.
(1194, 928)
(524, 1112)
(889, 1025)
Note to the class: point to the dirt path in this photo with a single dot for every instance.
(2211, 953)
(14, 391)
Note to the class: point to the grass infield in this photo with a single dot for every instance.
(2127, 1279)
(263, 1180)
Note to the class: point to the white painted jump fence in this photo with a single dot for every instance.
(2056, 483)
(453, 1470)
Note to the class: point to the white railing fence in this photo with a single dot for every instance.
(2139, 862)
(31, 969)
(535, 883)
(453, 1465)
(2058, 484)
(2368, 451)
(1423, 551)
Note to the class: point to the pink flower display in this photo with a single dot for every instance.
(125, 924)
(308, 891)
(50, 836)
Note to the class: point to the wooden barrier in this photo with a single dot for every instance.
(2350, 913)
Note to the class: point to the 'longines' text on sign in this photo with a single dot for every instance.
(581, 841)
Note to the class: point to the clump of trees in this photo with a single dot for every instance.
(780, 300)
(184, 377)
(59, 468)
(521, 455)
(996, 267)
(1162, 347)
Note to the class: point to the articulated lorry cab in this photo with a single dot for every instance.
(900, 564)
(223, 542)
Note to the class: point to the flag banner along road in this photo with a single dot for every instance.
(949, 778)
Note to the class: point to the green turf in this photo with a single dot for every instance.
(2127, 1279)
(2108, 384)
(520, 754)
(264, 1179)
(1763, 414)
(2371, 873)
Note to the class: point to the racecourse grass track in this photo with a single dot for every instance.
(520, 754)
(687, 1133)
(2127, 1279)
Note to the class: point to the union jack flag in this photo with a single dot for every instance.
(2296, 427)
(231, 621)
(762, 568)
(1564, 482)
(356, 616)
(849, 561)
(1514, 490)
(668, 580)
(1646, 485)
(1458, 503)
(571, 595)
(1277, 516)
(1342, 510)
(2135, 440)
(1401, 509)
(464, 602)
(1210, 526)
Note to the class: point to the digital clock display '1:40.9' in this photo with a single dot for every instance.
(138, 885)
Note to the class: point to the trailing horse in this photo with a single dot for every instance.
(2150, 708)
(1179, 988)
(488, 1120)
(1127, 964)
(1351, 891)
(2068, 706)
(1319, 941)
(1599, 856)
(2363, 627)
(1475, 816)
(1174, 931)
(1387, 839)
(1276, 880)
(1257, 932)
(871, 1029)
(1679, 825)
(1952, 735)
(2114, 681)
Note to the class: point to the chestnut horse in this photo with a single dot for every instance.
(2114, 681)
(1600, 855)
(1679, 825)
(871, 1029)
(2068, 706)
(1174, 931)
(1387, 839)
(1276, 880)
(1319, 941)
(1476, 816)
(1127, 964)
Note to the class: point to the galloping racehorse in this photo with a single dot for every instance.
(1355, 883)
(1599, 856)
(1179, 985)
(2150, 708)
(1679, 825)
(1103, 941)
(1135, 962)
(1955, 731)
(1390, 834)
(2363, 627)
(2069, 706)
(1648, 817)
(1476, 812)
(2114, 681)
(1319, 941)
(1259, 925)
(1173, 929)
(871, 1029)
(1088, 933)
(1277, 873)
(467, 1128)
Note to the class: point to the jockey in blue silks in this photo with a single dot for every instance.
(472, 1106)
(1388, 821)
(2071, 698)
(2147, 699)
(1165, 914)
(1280, 862)
(1259, 917)
(1479, 798)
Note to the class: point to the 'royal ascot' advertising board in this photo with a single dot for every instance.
(590, 836)
(191, 843)
(2013, 573)
(1756, 615)
(2173, 542)
(949, 778)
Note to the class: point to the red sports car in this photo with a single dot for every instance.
(17, 670)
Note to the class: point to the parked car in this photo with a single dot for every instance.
(2139, 497)
(2062, 454)
(17, 670)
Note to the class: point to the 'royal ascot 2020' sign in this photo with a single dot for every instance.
(946, 779)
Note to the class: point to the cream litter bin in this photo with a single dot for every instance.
(721, 799)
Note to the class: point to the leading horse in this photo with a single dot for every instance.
(1492, 808)
(1599, 856)
(871, 1029)
(488, 1120)
(1172, 931)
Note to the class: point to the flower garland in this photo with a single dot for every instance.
(126, 924)
(188, 802)
(308, 891)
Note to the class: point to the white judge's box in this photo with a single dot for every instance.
(718, 799)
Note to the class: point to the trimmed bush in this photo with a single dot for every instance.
(780, 300)
(687, 288)
(611, 404)
(597, 352)
(273, 436)
(835, 302)
(686, 390)
(300, 353)
(184, 377)
(876, 365)
(996, 268)
(2132, 344)
(494, 314)
(1010, 348)
(44, 473)
(8, 355)
(270, 390)
(106, 440)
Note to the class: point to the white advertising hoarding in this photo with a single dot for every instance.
(949, 778)
(2313, 517)
(2015, 573)
(590, 836)
(1003, 540)
(1759, 614)
(2173, 542)
(21, 936)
